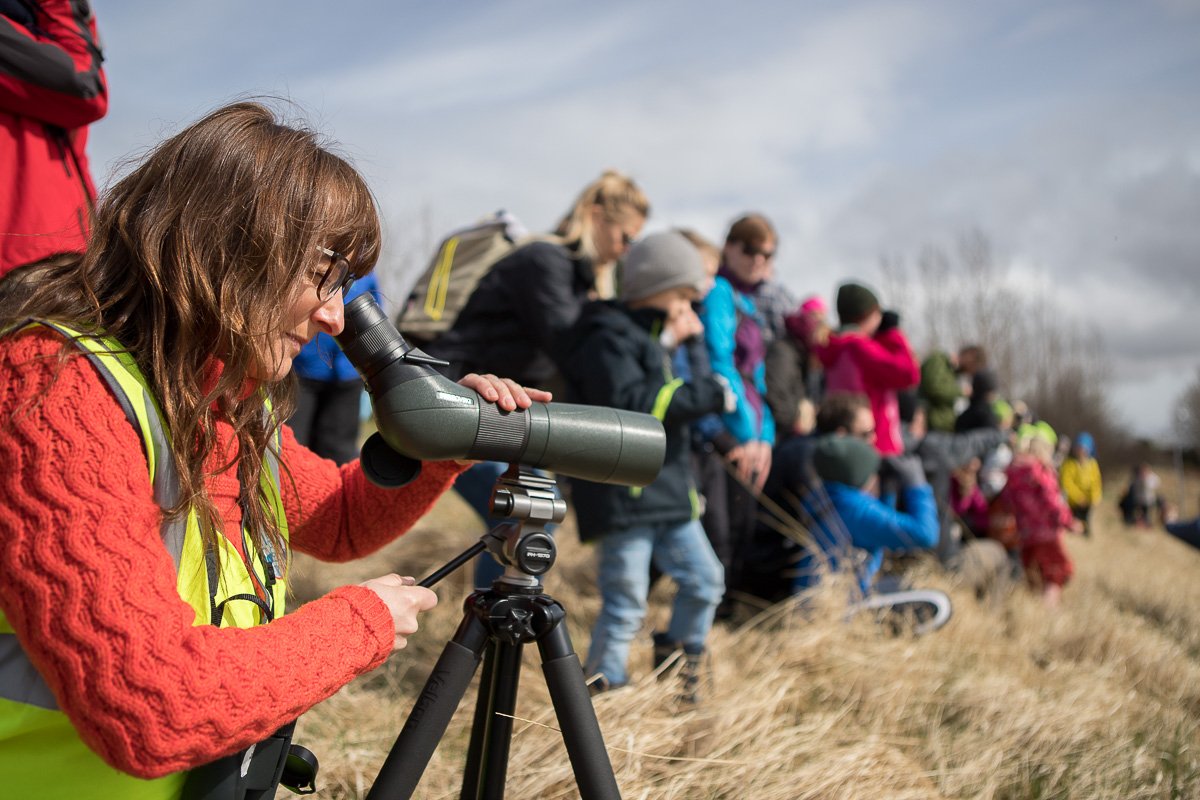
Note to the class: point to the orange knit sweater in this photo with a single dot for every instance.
(90, 590)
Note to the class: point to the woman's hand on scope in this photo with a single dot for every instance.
(404, 600)
(505, 393)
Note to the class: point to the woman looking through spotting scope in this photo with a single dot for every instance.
(151, 494)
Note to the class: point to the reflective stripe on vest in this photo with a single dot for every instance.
(38, 742)
(662, 402)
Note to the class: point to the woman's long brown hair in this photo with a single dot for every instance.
(197, 253)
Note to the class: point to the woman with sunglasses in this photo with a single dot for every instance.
(517, 319)
(734, 335)
(150, 494)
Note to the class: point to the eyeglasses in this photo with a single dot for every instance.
(752, 251)
(337, 277)
(867, 436)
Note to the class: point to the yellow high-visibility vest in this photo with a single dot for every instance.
(41, 753)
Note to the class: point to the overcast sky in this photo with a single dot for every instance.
(1068, 132)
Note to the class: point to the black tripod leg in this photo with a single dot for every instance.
(427, 723)
(483, 712)
(573, 707)
(491, 735)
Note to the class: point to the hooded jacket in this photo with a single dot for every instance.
(51, 88)
(615, 360)
(857, 521)
(878, 367)
(1081, 482)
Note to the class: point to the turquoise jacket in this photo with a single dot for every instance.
(725, 311)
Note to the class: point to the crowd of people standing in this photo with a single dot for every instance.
(816, 412)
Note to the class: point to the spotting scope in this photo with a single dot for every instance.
(424, 416)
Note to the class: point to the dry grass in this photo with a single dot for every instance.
(1098, 699)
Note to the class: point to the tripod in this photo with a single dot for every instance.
(496, 625)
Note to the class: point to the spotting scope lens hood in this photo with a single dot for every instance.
(424, 415)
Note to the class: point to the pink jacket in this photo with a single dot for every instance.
(877, 367)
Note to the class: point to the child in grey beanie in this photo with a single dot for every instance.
(659, 262)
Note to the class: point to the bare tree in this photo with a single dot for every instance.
(964, 294)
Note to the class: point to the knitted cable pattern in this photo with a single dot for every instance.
(90, 590)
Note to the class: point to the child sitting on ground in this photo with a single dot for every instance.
(967, 500)
(619, 360)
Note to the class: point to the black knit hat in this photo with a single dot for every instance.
(983, 382)
(909, 402)
(845, 459)
(855, 302)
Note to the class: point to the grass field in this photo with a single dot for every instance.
(1100, 698)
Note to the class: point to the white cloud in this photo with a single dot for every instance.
(1068, 133)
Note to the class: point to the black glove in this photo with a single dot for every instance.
(908, 469)
(891, 319)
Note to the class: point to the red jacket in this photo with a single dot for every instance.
(877, 367)
(91, 591)
(51, 88)
(1037, 503)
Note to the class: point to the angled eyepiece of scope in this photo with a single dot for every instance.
(426, 416)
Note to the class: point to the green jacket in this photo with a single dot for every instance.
(939, 389)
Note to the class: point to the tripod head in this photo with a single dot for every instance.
(522, 544)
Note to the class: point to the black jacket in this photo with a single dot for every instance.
(615, 360)
(792, 489)
(515, 321)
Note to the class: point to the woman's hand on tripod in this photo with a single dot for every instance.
(404, 600)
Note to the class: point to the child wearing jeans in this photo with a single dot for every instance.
(621, 358)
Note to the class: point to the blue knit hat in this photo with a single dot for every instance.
(1088, 444)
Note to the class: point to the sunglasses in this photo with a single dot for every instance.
(751, 251)
(337, 277)
(626, 239)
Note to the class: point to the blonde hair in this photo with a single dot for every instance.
(619, 198)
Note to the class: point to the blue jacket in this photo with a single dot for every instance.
(872, 526)
(321, 359)
(724, 310)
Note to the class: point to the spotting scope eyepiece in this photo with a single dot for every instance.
(423, 415)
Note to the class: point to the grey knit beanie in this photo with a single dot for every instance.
(659, 262)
